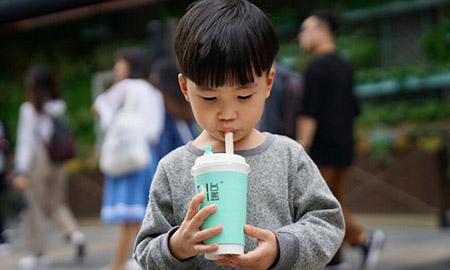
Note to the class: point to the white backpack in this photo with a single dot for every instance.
(125, 147)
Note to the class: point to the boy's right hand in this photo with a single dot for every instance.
(186, 242)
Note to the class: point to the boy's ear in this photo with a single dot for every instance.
(183, 86)
(270, 80)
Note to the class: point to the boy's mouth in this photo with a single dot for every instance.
(223, 131)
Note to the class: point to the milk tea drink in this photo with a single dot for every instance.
(223, 179)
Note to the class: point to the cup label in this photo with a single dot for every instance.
(228, 190)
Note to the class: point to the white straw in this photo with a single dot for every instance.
(229, 143)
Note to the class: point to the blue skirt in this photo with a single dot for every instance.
(125, 197)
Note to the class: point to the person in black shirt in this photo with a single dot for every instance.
(325, 121)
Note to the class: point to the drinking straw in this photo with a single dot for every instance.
(229, 143)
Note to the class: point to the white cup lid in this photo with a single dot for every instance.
(220, 157)
(220, 162)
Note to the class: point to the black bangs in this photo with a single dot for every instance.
(225, 42)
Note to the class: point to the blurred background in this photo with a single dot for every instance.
(400, 52)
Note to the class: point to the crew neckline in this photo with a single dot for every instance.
(268, 141)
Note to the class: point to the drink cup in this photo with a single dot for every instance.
(223, 179)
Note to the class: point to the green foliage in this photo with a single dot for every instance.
(361, 48)
(103, 56)
(436, 44)
(358, 4)
(381, 142)
(286, 22)
(428, 139)
(394, 113)
(291, 56)
(12, 96)
(395, 72)
(77, 94)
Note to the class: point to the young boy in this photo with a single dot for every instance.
(225, 50)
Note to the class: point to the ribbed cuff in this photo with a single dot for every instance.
(289, 251)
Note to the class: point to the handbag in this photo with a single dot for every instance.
(125, 147)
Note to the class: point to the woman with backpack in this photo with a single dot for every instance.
(131, 108)
(37, 174)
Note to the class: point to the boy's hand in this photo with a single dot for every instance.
(263, 257)
(186, 242)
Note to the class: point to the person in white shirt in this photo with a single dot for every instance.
(125, 197)
(41, 179)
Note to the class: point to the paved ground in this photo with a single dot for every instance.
(99, 248)
(413, 243)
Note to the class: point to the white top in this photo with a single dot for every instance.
(34, 129)
(150, 103)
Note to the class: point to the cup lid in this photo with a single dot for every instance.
(220, 157)
(219, 160)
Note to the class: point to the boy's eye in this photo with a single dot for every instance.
(245, 97)
(209, 98)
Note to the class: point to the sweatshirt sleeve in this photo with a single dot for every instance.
(317, 233)
(151, 250)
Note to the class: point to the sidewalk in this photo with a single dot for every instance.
(413, 243)
(99, 248)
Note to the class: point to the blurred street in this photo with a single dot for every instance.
(417, 245)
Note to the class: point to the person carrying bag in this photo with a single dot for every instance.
(131, 113)
(125, 147)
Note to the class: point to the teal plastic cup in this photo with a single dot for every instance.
(223, 179)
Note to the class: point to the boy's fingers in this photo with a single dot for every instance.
(193, 207)
(200, 217)
(227, 263)
(205, 248)
(208, 233)
(247, 259)
(256, 232)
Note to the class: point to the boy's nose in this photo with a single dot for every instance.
(227, 113)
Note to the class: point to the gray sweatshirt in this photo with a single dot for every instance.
(286, 195)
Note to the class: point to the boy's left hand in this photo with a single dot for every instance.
(262, 257)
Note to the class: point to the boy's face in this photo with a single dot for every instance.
(228, 108)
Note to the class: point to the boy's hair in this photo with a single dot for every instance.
(220, 42)
(138, 61)
(327, 17)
